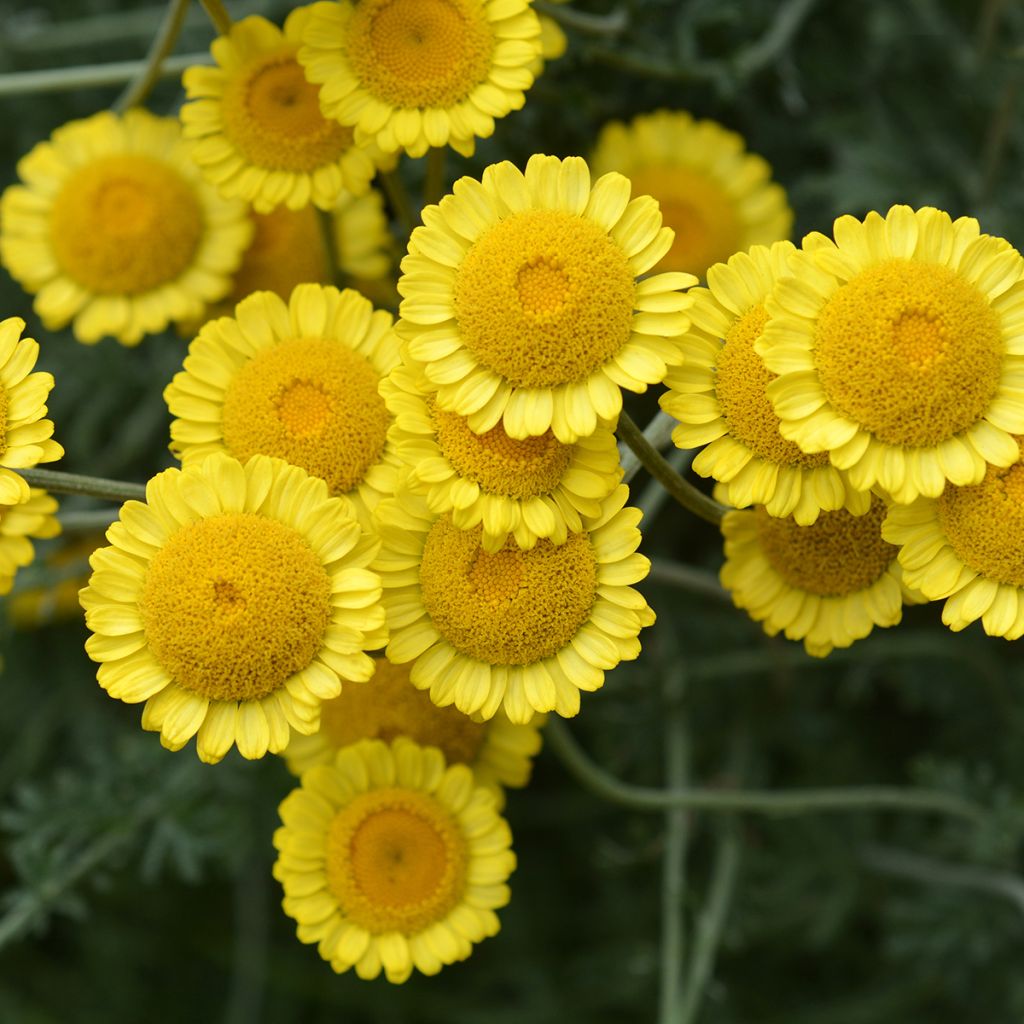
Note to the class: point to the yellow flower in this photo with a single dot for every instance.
(522, 630)
(411, 74)
(362, 238)
(257, 130)
(115, 231)
(521, 298)
(232, 602)
(392, 860)
(389, 706)
(967, 546)
(298, 382)
(25, 437)
(718, 198)
(900, 350)
(718, 395)
(33, 517)
(530, 488)
(827, 584)
(55, 597)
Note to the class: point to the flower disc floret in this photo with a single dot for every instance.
(719, 395)
(522, 304)
(827, 584)
(411, 74)
(256, 125)
(115, 231)
(298, 382)
(522, 630)
(232, 602)
(900, 350)
(391, 860)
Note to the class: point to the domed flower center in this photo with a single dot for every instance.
(512, 607)
(498, 463)
(740, 382)
(984, 524)
(313, 403)
(123, 225)
(420, 53)
(396, 861)
(910, 351)
(234, 605)
(389, 706)
(698, 210)
(839, 554)
(272, 115)
(544, 298)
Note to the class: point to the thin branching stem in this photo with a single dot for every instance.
(218, 15)
(614, 23)
(398, 199)
(433, 185)
(163, 42)
(85, 76)
(86, 520)
(95, 487)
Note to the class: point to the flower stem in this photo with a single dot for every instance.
(22, 83)
(611, 24)
(93, 486)
(398, 198)
(752, 801)
(86, 520)
(330, 240)
(218, 15)
(684, 492)
(163, 42)
(433, 186)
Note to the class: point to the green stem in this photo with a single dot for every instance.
(769, 47)
(330, 240)
(398, 199)
(614, 23)
(684, 492)
(163, 42)
(86, 520)
(93, 486)
(752, 801)
(218, 15)
(658, 432)
(433, 186)
(85, 76)
(686, 577)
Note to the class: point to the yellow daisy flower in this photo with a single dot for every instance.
(392, 860)
(522, 630)
(718, 198)
(25, 437)
(900, 350)
(362, 239)
(521, 298)
(389, 706)
(719, 397)
(530, 488)
(967, 546)
(298, 382)
(115, 231)
(232, 602)
(827, 584)
(34, 517)
(256, 126)
(411, 74)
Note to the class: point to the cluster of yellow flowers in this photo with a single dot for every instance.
(445, 489)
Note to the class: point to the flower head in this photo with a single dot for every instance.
(33, 518)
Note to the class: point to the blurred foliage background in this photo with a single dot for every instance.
(136, 883)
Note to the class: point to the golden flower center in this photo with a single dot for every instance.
(122, 225)
(272, 116)
(984, 524)
(512, 607)
(396, 861)
(910, 351)
(498, 463)
(312, 402)
(838, 554)
(234, 605)
(420, 53)
(389, 706)
(740, 382)
(544, 298)
(702, 214)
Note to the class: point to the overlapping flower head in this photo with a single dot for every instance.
(898, 307)
(411, 74)
(33, 518)
(534, 487)
(256, 125)
(26, 437)
(388, 706)
(392, 861)
(718, 198)
(719, 396)
(232, 602)
(297, 381)
(115, 231)
(525, 631)
(522, 300)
